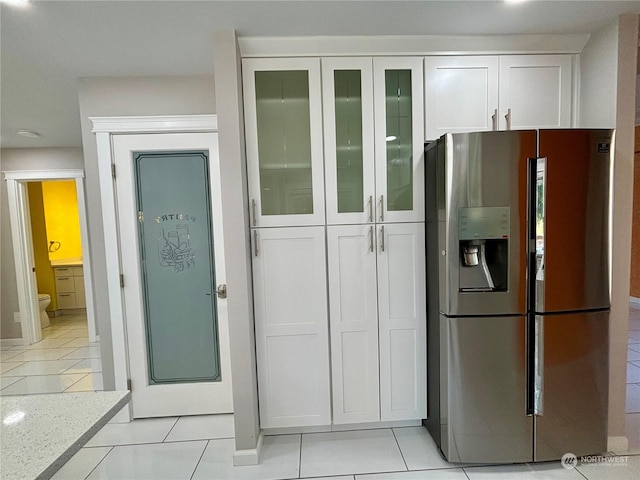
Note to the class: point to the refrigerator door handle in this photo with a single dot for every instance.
(539, 233)
(538, 367)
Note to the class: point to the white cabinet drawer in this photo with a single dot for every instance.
(65, 285)
(66, 300)
(63, 271)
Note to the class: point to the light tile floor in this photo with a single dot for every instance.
(175, 449)
(201, 447)
(63, 361)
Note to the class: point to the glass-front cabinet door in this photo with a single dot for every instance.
(283, 118)
(347, 85)
(399, 143)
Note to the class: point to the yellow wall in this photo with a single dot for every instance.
(62, 219)
(44, 273)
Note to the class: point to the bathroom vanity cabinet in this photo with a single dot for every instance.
(70, 287)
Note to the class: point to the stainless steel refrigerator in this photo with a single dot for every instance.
(518, 293)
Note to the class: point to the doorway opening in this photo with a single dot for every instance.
(18, 188)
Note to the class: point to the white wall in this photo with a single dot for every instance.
(607, 99)
(119, 96)
(233, 172)
(22, 159)
(622, 220)
(598, 84)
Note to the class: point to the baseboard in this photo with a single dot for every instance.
(618, 445)
(374, 425)
(251, 456)
(634, 300)
(10, 342)
(342, 428)
(295, 430)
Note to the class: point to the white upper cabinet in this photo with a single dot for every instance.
(461, 94)
(535, 91)
(373, 119)
(508, 92)
(283, 121)
(347, 86)
(399, 139)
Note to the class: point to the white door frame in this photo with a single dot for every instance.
(23, 247)
(104, 128)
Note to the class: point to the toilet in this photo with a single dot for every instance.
(44, 299)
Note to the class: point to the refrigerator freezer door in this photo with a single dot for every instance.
(574, 385)
(486, 417)
(573, 222)
(485, 176)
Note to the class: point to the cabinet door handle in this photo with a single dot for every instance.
(64, 294)
(371, 238)
(507, 117)
(253, 211)
(494, 120)
(255, 242)
(382, 239)
(371, 208)
(63, 278)
(382, 208)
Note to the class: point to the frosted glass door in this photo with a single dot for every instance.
(284, 141)
(348, 136)
(399, 94)
(177, 266)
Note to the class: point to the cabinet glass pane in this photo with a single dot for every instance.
(348, 100)
(399, 140)
(284, 142)
(178, 276)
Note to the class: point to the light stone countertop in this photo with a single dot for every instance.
(67, 262)
(40, 433)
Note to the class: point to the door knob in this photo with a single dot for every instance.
(222, 290)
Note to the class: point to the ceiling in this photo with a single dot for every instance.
(47, 46)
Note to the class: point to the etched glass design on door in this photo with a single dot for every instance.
(177, 265)
(284, 142)
(399, 140)
(348, 105)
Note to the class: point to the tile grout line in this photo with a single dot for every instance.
(299, 458)
(170, 430)
(206, 445)
(150, 443)
(98, 464)
(582, 474)
(393, 432)
(74, 382)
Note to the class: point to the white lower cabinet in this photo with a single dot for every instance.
(378, 322)
(353, 309)
(402, 318)
(291, 322)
